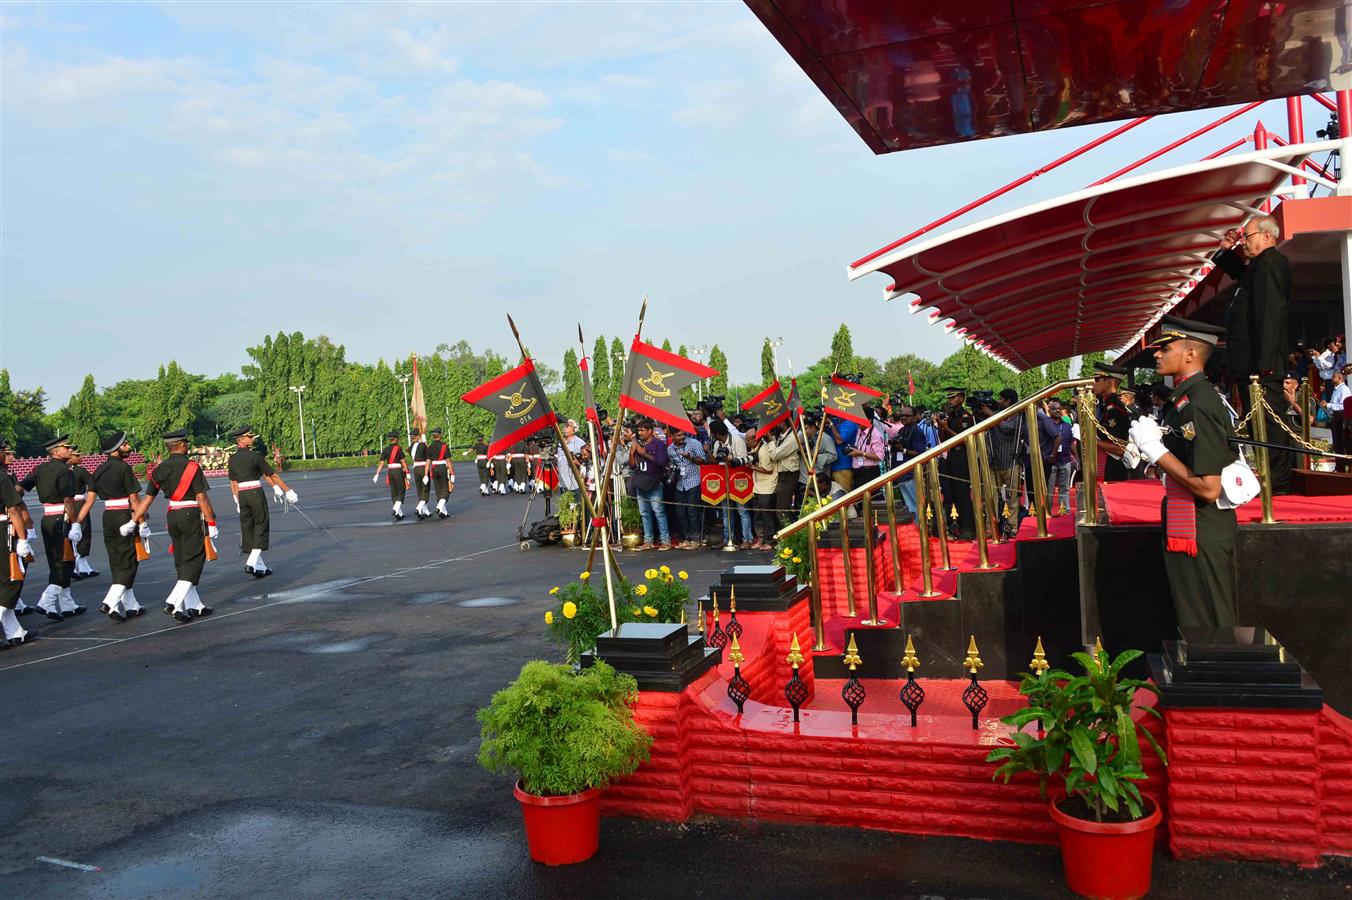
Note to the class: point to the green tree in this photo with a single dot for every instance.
(899, 370)
(688, 396)
(718, 384)
(25, 411)
(767, 363)
(842, 348)
(9, 416)
(1087, 363)
(83, 417)
(601, 375)
(973, 370)
(570, 399)
(616, 373)
(1029, 382)
(1058, 371)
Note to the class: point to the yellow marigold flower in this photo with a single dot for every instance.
(797, 559)
(641, 590)
(665, 570)
(650, 611)
(786, 552)
(650, 573)
(636, 611)
(549, 617)
(569, 609)
(584, 575)
(683, 575)
(554, 590)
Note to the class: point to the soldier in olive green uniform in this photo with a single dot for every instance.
(55, 488)
(1191, 447)
(480, 450)
(83, 485)
(117, 487)
(185, 487)
(443, 470)
(13, 528)
(393, 460)
(249, 471)
(1114, 416)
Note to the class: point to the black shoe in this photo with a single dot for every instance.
(54, 616)
(14, 642)
(181, 617)
(23, 612)
(77, 611)
(117, 616)
(103, 608)
(139, 611)
(442, 515)
(94, 574)
(205, 611)
(168, 610)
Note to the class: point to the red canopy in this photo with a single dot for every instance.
(917, 73)
(1089, 271)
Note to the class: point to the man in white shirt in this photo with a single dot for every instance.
(1336, 405)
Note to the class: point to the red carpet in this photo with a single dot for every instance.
(1138, 503)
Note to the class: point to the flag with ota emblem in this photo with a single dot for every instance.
(713, 484)
(769, 407)
(653, 381)
(518, 400)
(795, 402)
(846, 399)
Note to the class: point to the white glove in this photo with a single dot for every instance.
(32, 534)
(291, 496)
(145, 529)
(76, 532)
(277, 491)
(426, 480)
(236, 504)
(22, 548)
(1131, 457)
(375, 477)
(126, 528)
(1146, 434)
(213, 532)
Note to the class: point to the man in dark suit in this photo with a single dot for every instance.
(1256, 320)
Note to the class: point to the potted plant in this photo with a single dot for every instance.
(568, 518)
(1087, 740)
(565, 734)
(631, 523)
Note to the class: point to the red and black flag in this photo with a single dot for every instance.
(588, 398)
(518, 400)
(795, 402)
(769, 407)
(846, 399)
(653, 381)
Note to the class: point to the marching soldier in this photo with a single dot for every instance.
(1114, 416)
(117, 487)
(443, 470)
(1191, 447)
(422, 479)
(480, 450)
(392, 459)
(956, 480)
(498, 466)
(84, 504)
(185, 488)
(55, 489)
(249, 470)
(14, 526)
(519, 480)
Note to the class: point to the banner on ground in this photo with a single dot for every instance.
(653, 381)
(518, 400)
(845, 399)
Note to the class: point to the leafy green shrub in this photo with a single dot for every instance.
(568, 511)
(336, 462)
(792, 552)
(563, 732)
(630, 520)
(1090, 741)
(583, 613)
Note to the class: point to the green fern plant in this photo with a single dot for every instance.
(562, 731)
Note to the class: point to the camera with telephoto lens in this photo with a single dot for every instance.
(978, 399)
(712, 403)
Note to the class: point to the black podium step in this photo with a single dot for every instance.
(661, 656)
(758, 589)
(1231, 667)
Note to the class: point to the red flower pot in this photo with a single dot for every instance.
(1107, 860)
(561, 830)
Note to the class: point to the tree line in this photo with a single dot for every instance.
(349, 406)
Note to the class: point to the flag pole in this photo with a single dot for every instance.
(604, 528)
(800, 428)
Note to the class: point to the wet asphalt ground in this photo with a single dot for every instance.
(315, 737)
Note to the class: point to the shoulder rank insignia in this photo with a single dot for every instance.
(1181, 402)
(1189, 430)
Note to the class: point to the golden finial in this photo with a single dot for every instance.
(701, 617)
(1039, 663)
(715, 608)
(953, 513)
(910, 660)
(735, 657)
(732, 600)
(973, 661)
(852, 655)
(795, 652)
(682, 615)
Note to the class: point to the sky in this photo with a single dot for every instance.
(178, 180)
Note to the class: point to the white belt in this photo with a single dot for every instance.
(53, 509)
(124, 503)
(419, 463)
(438, 462)
(182, 504)
(395, 465)
(477, 458)
(249, 485)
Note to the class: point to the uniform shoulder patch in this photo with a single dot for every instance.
(1181, 402)
(1189, 430)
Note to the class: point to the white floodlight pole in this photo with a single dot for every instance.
(408, 427)
(299, 391)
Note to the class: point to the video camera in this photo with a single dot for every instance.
(711, 403)
(978, 399)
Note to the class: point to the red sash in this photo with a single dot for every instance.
(394, 451)
(1180, 518)
(185, 483)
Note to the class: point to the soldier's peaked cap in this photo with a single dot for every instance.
(1107, 368)
(241, 431)
(174, 437)
(113, 441)
(436, 432)
(392, 434)
(1173, 328)
(954, 391)
(60, 440)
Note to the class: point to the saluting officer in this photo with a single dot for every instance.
(249, 470)
(185, 488)
(14, 527)
(55, 488)
(422, 479)
(83, 483)
(117, 487)
(1191, 447)
(1113, 414)
(392, 459)
(480, 450)
(443, 470)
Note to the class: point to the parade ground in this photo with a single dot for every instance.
(315, 737)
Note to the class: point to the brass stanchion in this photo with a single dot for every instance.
(990, 489)
(1305, 418)
(1039, 472)
(1259, 427)
(979, 503)
(937, 504)
(1088, 458)
(815, 598)
(892, 536)
(922, 526)
(847, 567)
(870, 577)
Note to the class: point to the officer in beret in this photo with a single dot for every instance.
(1113, 414)
(116, 485)
(190, 521)
(1191, 447)
(14, 529)
(396, 475)
(249, 471)
(56, 490)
